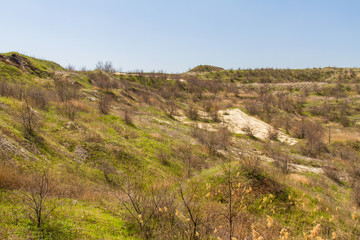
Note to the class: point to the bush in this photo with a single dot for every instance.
(170, 108)
(128, 117)
(38, 97)
(69, 110)
(66, 91)
(313, 133)
(272, 133)
(29, 118)
(193, 113)
(103, 80)
(213, 140)
(36, 197)
(104, 103)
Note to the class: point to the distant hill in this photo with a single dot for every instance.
(25, 64)
(206, 68)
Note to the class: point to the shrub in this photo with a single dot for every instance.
(170, 108)
(38, 97)
(107, 67)
(213, 140)
(193, 113)
(128, 117)
(66, 91)
(249, 131)
(36, 197)
(313, 133)
(104, 103)
(103, 80)
(29, 118)
(272, 133)
(69, 110)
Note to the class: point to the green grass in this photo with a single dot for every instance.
(150, 148)
(71, 220)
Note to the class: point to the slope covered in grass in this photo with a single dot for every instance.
(148, 156)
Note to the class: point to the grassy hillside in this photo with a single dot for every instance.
(205, 68)
(157, 156)
(332, 75)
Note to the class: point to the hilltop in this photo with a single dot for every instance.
(215, 154)
(205, 68)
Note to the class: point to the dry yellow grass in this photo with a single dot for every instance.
(11, 178)
(299, 178)
(344, 136)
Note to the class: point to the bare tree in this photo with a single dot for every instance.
(106, 67)
(104, 103)
(231, 213)
(70, 67)
(272, 133)
(66, 91)
(70, 110)
(313, 133)
(37, 199)
(213, 140)
(170, 108)
(193, 113)
(138, 205)
(193, 212)
(38, 97)
(29, 118)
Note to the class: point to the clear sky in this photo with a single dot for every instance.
(175, 35)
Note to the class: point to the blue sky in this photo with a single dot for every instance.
(174, 35)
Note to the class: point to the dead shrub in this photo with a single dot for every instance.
(313, 133)
(194, 211)
(252, 107)
(214, 114)
(11, 178)
(38, 97)
(93, 137)
(145, 97)
(80, 105)
(252, 165)
(213, 140)
(66, 91)
(282, 161)
(106, 67)
(184, 152)
(104, 103)
(128, 117)
(332, 173)
(281, 158)
(249, 131)
(170, 108)
(103, 80)
(164, 157)
(29, 118)
(69, 109)
(357, 88)
(272, 133)
(357, 193)
(193, 113)
(14, 90)
(138, 205)
(36, 197)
